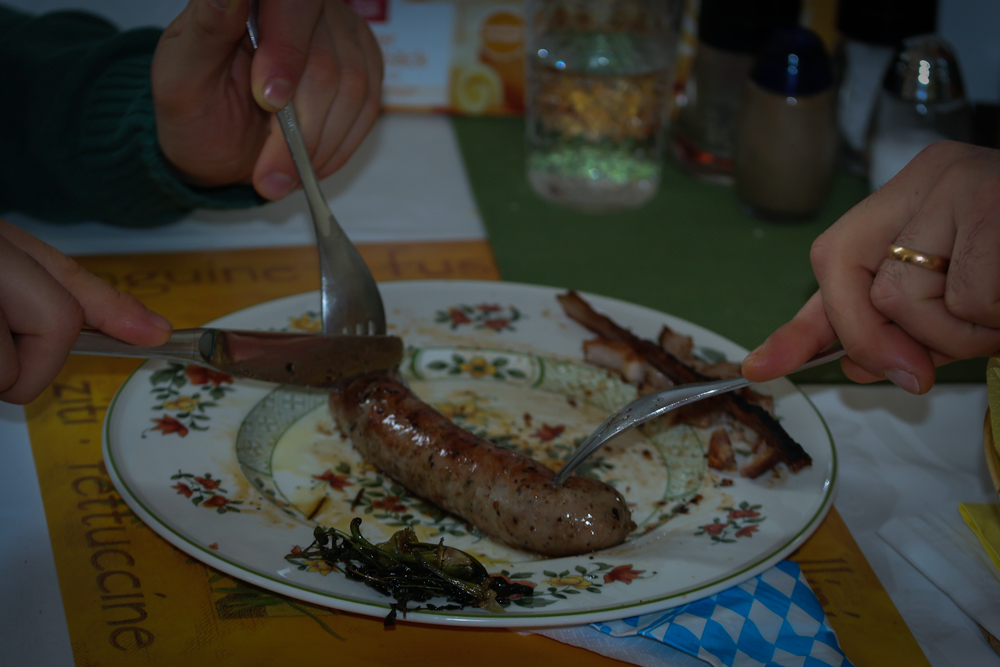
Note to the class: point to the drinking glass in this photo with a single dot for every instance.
(598, 89)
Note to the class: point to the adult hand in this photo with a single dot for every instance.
(215, 97)
(45, 299)
(900, 321)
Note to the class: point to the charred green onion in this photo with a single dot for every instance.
(410, 571)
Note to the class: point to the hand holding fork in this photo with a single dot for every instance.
(350, 300)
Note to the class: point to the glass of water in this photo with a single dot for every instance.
(598, 91)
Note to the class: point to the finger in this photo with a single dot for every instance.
(334, 91)
(864, 233)
(370, 106)
(274, 174)
(920, 300)
(861, 375)
(319, 89)
(973, 287)
(913, 296)
(807, 334)
(798, 341)
(42, 320)
(286, 28)
(874, 343)
(353, 92)
(115, 313)
(10, 365)
(795, 343)
(202, 43)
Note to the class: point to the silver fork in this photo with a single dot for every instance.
(350, 300)
(650, 406)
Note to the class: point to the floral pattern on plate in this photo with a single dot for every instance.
(741, 521)
(190, 410)
(523, 386)
(482, 316)
(205, 491)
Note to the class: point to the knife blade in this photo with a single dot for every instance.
(287, 358)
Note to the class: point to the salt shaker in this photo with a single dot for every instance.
(786, 135)
(922, 101)
(870, 31)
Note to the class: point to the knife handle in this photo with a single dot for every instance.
(184, 345)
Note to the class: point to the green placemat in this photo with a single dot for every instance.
(691, 252)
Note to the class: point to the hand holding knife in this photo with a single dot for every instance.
(287, 358)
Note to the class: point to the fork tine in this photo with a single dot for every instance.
(640, 411)
(657, 404)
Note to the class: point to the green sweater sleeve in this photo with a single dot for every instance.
(77, 128)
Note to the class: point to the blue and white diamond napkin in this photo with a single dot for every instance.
(772, 620)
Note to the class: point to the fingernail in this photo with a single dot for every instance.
(277, 93)
(218, 4)
(276, 186)
(755, 353)
(159, 321)
(903, 380)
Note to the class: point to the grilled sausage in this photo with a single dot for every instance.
(504, 494)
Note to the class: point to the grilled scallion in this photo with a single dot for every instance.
(410, 571)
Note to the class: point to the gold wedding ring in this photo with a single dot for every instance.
(922, 259)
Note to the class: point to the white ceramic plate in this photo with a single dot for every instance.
(237, 473)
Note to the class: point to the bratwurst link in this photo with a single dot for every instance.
(504, 494)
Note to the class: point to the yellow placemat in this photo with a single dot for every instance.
(993, 391)
(984, 520)
(133, 599)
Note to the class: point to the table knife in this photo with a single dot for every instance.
(286, 358)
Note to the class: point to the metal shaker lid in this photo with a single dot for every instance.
(925, 69)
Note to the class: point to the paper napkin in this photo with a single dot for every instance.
(945, 551)
(772, 620)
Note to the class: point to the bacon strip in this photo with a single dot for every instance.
(777, 444)
(682, 347)
(720, 451)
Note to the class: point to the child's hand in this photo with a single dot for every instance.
(215, 96)
(45, 299)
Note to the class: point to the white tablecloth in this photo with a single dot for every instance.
(406, 182)
(900, 455)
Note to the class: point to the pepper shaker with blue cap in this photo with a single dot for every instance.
(786, 135)
(730, 35)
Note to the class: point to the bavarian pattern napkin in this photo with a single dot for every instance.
(772, 620)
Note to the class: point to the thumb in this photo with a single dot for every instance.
(792, 344)
(285, 29)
